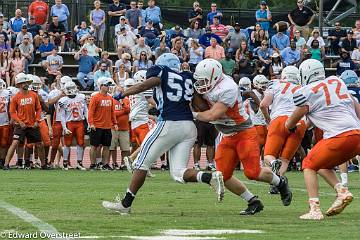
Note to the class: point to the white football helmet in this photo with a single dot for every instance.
(2, 84)
(70, 89)
(129, 82)
(140, 76)
(63, 81)
(104, 81)
(260, 82)
(311, 70)
(36, 84)
(245, 82)
(21, 78)
(207, 74)
(291, 74)
(12, 90)
(112, 87)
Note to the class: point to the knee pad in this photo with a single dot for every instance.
(178, 174)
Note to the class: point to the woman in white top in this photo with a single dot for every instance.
(316, 35)
(121, 75)
(276, 66)
(196, 54)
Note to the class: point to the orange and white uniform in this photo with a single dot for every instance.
(44, 129)
(73, 112)
(5, 128)
(139, 116)
(280, 142)
(56, 126)
(239, 140)
(331, 109)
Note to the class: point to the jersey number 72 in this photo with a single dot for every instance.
(324, 86)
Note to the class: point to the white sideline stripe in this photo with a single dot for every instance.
(170, 238)
(204, 232)
(27, 217)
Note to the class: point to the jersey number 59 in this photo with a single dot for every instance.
(174, 82)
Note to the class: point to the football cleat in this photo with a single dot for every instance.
(254, 206)
(93, 167)
(128, 164)
(273, 189)
(217, 184)
(344, 198)
(211, 167)
(314, 213)
(80, 167)
(150, 174)
(106, 167)
(197, 167)
(115, 166)
(285, 193)
(116, 206)
(275, 166)
(6, 167)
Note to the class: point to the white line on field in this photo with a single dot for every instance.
(27, 217)
(205, 232)
(171, 238)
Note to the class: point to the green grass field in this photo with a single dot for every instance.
(71, 202)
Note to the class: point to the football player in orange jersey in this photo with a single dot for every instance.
(324, 101)
(4, 122)
(239, 142)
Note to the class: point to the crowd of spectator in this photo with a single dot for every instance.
(138, 36)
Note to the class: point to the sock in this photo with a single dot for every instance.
(272, 161)
(338, 187)
(203, 177)
(98, 160)
(128, 199)
(344, 178)
(275, 180)
(66, 153)
(65, 163)
(247, 195)
(27, 162)
(314, 200)
(20, 161)
(79, 162)
(79, 153)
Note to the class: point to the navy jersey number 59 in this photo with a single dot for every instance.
(179, 88)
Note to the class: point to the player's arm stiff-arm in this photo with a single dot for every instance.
(296, 116)
(141, 87)
(215, 112)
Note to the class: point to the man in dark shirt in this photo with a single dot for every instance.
(116, 9)
(335, 35)
(196, 14)
(151, 35)
(301, 18)
(35, 29)
(349, 43)
(345, 63)
(57, 32)
(204, 40)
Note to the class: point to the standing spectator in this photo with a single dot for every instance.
(194, 31)
(17, 64)
(83, 32)
(21, 35)
(317, 52)
(263, 16)
(92, 49)
(315, 35)
(116, 9)
(219, 29)
(355, 56)
(62, 12)
(101, 120)
(335, 36)
(133, 16)
(143, 63)
(27, 51)
(356, 30)
(214, 51)
(151, 35)
(86, 67)
(143, 12)
(40, 11)
(291, 55)
(45, 49)
(300, 41)
(153, 13)
(235, 38)
(35, 30)
(16, 24)
(179, 50)
(161, 49)
(126, 40)
(204, 40)
(196, 14)
(301, 18)
(280, 41)
(57, 32)
(3, 44)
(5, 66)
(345, 63)
(349, 43)
(102, 72)
(97, 20)
(276, 66)
(214, 12)
(196, 53)
(54, 63)
(139, 47)
(228, 63)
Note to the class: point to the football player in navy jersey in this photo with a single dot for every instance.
(175, 131)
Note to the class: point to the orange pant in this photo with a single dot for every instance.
(44, 132)
(282, 143)
(243, 146)
(57, 133)
(334, 151)
(5, 133)
(318, 134)
(77, 129)
(261, 133)
(140, 132)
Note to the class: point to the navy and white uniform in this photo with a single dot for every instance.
(175, 130)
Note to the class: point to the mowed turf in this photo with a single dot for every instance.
(71, 202)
